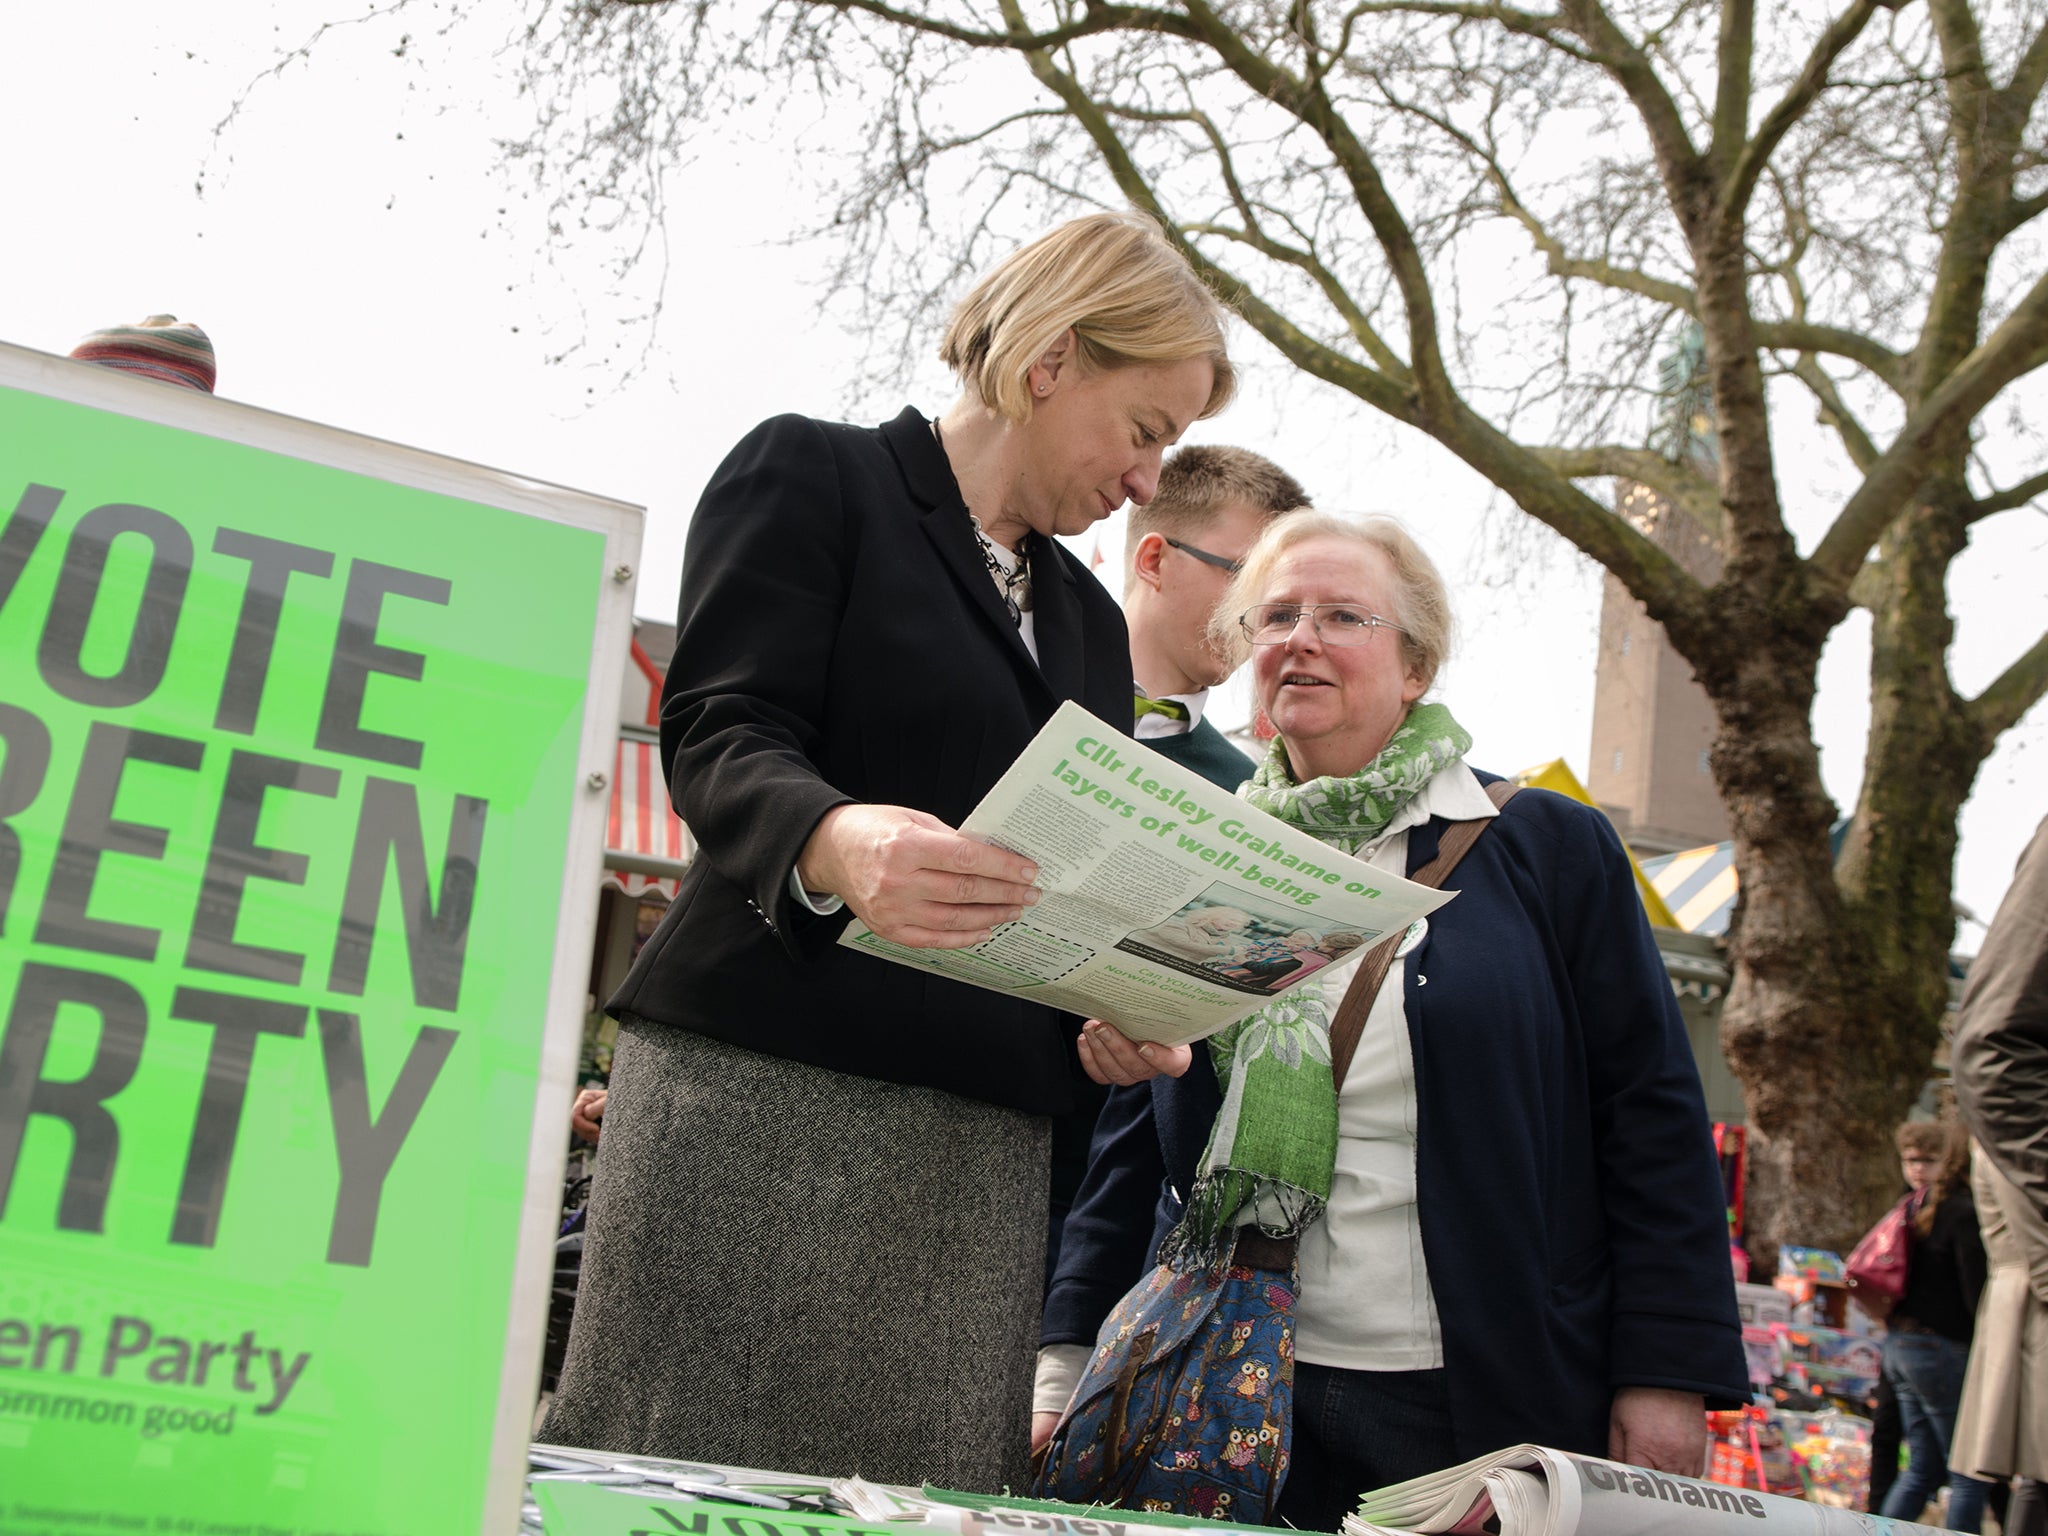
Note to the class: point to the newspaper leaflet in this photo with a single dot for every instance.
(1171, 908)
(1530, 1490)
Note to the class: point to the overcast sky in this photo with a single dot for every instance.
(360, 259)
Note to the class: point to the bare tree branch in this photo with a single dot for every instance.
(1803, 336)
(1605, 44)
(2006, 500)
(1678, 483)
(1551, 29)
(1793, 105)
(1632, 70)
(1339, 297)
(2029, 76)
(2024, 210)
(2013, 349)
(1097, 18)
(1559, 261)
(1673, 596)
(1963, 67)
(1733, 88)
(1834, 411)
(1312, 105)
(2017, 689)
(1795, 334)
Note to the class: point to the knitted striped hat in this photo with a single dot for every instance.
(157, 348)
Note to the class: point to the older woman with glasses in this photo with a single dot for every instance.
(819, 1221)
(1512, 1227)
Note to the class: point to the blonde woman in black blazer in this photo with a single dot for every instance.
(818, 1227)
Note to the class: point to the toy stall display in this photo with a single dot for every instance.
(1817, 1283)
(1832, 1451)
(1760, 1356)
(1812, 1361)
(1731, 1146)
(1750, 1451)
(1828, 1364)
(1759, 1306)
(1821, 1457)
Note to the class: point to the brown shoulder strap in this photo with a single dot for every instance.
(1366, 981)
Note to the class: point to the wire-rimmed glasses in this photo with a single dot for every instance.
(1334, 623)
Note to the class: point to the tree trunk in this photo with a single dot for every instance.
(1796, 1012)
(1841, 966)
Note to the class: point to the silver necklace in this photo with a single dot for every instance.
(1013, 583)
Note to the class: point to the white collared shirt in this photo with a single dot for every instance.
(1365, 1302)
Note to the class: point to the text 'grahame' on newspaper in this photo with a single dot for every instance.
(1530, 1490)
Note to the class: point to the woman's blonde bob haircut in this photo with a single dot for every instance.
(1421, 602)
(1129, 297)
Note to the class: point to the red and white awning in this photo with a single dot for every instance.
(646, 845)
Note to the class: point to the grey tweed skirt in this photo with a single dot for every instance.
(794, 1269)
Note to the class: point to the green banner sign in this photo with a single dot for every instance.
(298, 863)
(571, 1508)
(586, 1509)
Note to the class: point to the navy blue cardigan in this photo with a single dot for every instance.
(1572, 1213)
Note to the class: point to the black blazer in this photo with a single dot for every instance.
(839, 639)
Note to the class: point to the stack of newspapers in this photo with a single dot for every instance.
(1533, 1491)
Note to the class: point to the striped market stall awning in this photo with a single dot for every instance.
(1698, 885)
(646, 845)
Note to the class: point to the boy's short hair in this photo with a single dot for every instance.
(1199, 481)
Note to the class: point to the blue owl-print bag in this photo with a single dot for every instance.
(1188, 1401)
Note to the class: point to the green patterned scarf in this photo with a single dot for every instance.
(1274, 1144)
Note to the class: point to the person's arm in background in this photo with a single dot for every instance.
(587, 1112)
(1999, 1058)
(1675, 1341)
(1968, 1243)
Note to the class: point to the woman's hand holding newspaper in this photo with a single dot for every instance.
(1115, 1060)
(1658, 1429)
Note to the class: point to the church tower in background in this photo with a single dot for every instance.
(1652, 724)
